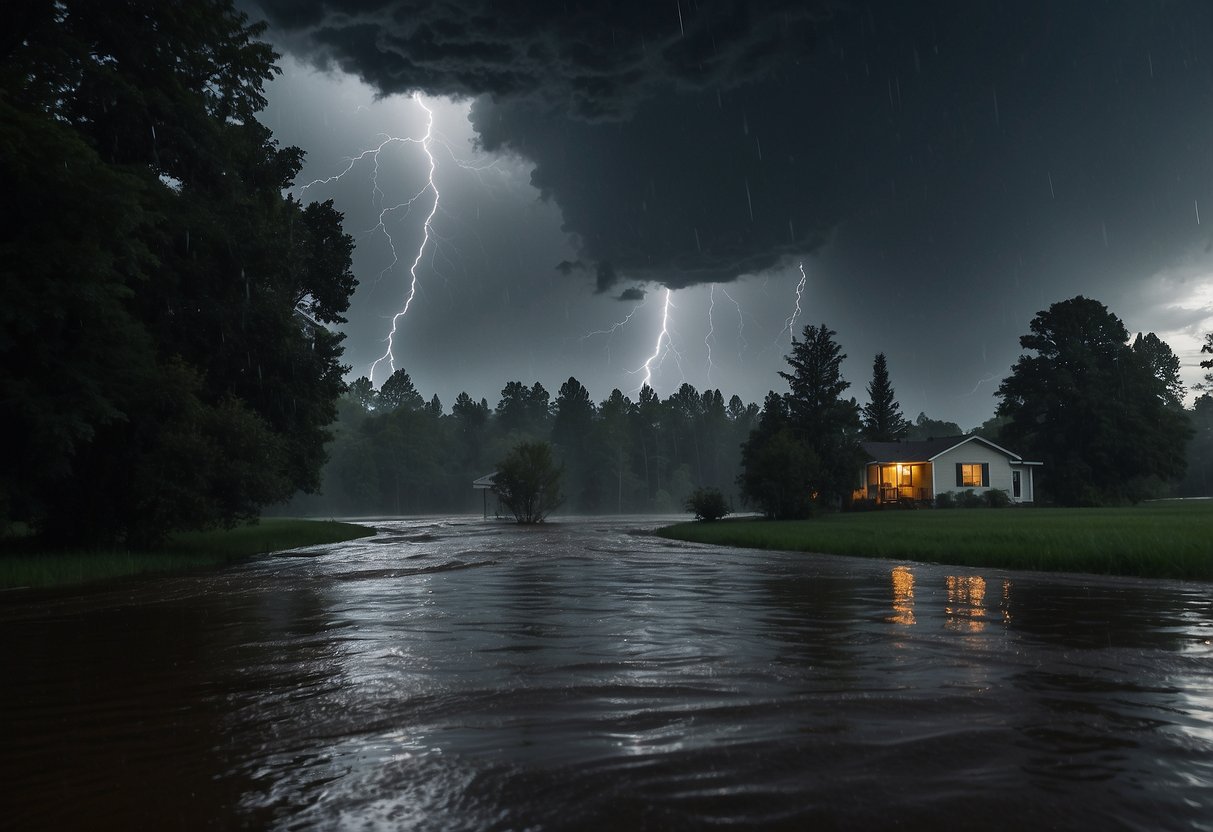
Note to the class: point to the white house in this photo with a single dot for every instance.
(917, 471)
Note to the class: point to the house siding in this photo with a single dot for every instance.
(972, 453)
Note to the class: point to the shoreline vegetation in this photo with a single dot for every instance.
(1166, 539)
(23, 567)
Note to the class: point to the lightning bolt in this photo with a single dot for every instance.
(376, 192)
(658, 352)
(386, 212)
(743, 344)
(790, 326)
(980, 382)
(426, 147)
(707, 339)
(614, 327)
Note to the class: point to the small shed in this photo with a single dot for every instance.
(484, 485)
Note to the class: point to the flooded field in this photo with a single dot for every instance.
(456, 674)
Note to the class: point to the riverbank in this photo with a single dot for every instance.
(1169, 539)
(20, 567)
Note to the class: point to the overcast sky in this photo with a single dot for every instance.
(942, 170)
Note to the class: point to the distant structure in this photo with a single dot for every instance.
(484, 485)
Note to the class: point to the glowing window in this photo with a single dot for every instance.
(970, 475)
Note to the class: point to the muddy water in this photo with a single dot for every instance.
(454, 674)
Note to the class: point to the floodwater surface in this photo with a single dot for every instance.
(453, 674)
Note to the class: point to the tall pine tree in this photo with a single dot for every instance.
(882, 417)
(823, 423)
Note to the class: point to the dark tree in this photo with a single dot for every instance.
(826, 424)
(1198, 481)
(572, 429)
(474, 415)
(777, 469)
(991, 428)
(1091, 408)
(362, 390)
(707, 504)
(524, 410)
(528, 482)
(882, 417)
(180, 300)
(614, 451)
(398, 392)
(1156, 355)
(1207, 347)
(925, 427)
(574, 415)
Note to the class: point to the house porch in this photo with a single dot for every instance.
(898, 482)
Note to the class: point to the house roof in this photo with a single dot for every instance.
(925, 450)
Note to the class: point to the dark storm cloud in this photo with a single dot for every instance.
(591, 60)
(946, 145)
(605, 275)
(633, 293)
(567, 85)
(567, 267)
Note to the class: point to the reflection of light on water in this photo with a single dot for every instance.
(966, 603)
(903, 596)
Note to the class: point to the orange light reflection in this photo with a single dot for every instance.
(903, 596)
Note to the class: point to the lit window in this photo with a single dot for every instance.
(970, 475)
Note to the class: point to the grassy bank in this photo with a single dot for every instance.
(1170, 539)
(20, 567)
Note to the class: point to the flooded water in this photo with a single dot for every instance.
(454, 674)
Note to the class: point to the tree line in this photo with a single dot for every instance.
(1105, 415)
(395, 452)
(164, 357)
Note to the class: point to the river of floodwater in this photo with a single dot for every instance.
(454, 674)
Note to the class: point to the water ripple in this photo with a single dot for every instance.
(458, 674)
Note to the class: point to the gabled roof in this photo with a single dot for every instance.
(925, 450)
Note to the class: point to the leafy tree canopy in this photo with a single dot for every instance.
(1092, 408)
(164, 303)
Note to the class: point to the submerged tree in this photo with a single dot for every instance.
(707, 504)
(528, 482)
(882, 417)
(1092, 408)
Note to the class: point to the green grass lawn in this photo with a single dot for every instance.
(1170, 539)
(20, 567)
